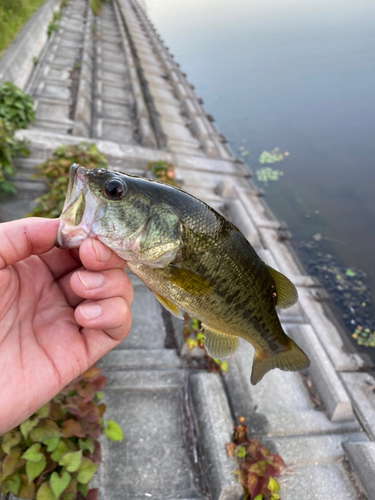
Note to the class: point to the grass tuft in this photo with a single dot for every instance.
(13, 15)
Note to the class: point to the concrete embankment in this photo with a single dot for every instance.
(109, 79)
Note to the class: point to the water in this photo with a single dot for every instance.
(300, 76)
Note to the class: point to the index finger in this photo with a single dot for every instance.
(22, 238)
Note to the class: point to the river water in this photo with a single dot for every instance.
(299, 76)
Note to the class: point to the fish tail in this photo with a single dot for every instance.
(291, 358)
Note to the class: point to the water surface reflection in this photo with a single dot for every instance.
(301, 76)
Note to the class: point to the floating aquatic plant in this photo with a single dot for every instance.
(273, 156)
(266, 174)
(348, 289)
(364, 336)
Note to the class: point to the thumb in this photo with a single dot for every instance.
(21, 238)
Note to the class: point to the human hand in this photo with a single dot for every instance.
(60, 311)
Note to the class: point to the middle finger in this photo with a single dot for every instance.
(89, 285)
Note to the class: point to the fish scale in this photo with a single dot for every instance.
(190, 257)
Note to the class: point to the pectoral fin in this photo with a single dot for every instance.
(285, 290)
(291, 358)
(219, 345)
(168, 305)
(192, 283)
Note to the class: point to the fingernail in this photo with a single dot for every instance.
(90, 311)
(90, 280)
(102, 252)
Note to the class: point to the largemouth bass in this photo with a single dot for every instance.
(190, 257)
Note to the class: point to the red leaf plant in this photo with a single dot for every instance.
(257, 467)
(55, 453)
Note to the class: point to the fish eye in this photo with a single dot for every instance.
(115, 189)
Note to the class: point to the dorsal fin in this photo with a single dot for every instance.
(286, 292)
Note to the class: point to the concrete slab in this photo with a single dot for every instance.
(170, 112)
(318, 482)
(216, 427)
(117, 111)
(362, 459)
(147, 330)
(112, 92)
(61, 60)
(60, 92)
(361, 387)
(110, 46)
(54, 73)
(184, 148)
(52, 111)
(140, 359)
(310, 450)
(153, 459)
(335, 398)
(177, 131)
(165, 96)
(116, 131)
(278, 406)
(119, 68)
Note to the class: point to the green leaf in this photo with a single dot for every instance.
(27, 490)
(273, 485)
(28, 425)
(51, 443)
(195, 324)
(33, 454)
(46, 429)
(34, 469)
(59, 484)
(86, 470)
(83, 489)
(10, 439)
(191, 343)
(45, 493)
(113, 431)
(11, 462)
(87, 444)
(71, 492)
(13, 484)
(60, 450)
(224, 366)
(71, 460)
(241, 452)
(350, 273)
(259, 497)
(43, 412)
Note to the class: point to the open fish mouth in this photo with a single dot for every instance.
(81, 207)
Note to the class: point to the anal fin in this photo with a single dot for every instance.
(168, 306)
(219, 345)
(292, 358)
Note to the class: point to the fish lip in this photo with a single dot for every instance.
(76, 172)
(69, 236)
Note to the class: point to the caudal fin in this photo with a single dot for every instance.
(292, 358)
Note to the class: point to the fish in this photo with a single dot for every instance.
(190, 257)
